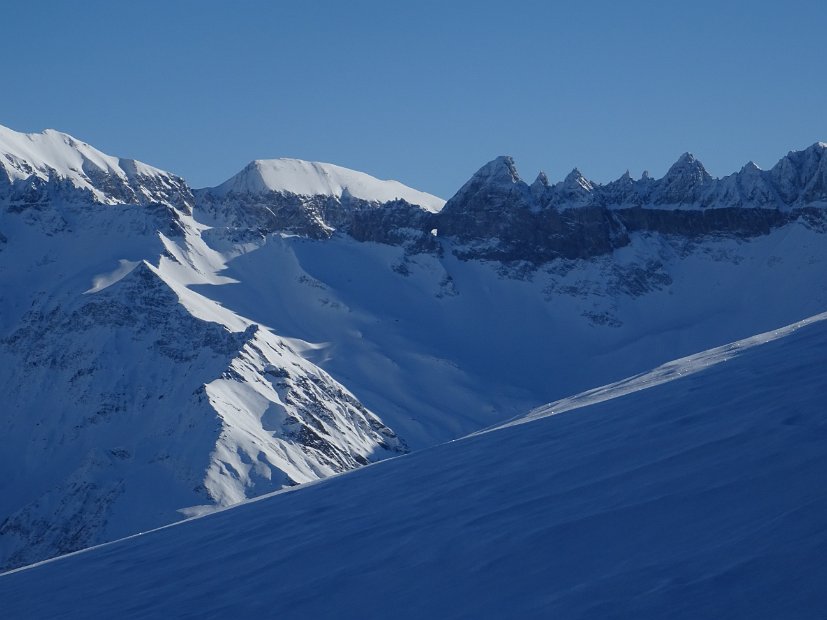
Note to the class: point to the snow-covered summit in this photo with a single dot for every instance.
(307, 178)
(37, 159)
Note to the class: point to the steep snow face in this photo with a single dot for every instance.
(132, 398)
(31, 165)
(701, 496)
(305, 178)
(135, 398)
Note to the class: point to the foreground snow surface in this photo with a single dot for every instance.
(702, 496)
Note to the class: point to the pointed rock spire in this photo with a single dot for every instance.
(495, 187)
(577, 182)
(688, 167)
(541, 180)
(750, 167)
(801, 176)
(501, 170)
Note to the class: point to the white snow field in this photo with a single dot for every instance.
(702, 496)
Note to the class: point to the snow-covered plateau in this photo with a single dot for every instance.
(167, 352)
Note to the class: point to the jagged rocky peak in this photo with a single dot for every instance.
(501, 170)
(689, 168)
(750, 168)
(801, 176)
(541, 180)
(685, 183)
(540, 190)
(495, 187)
(39, 167)
(575, 181)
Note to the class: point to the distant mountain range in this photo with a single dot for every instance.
(167, 351)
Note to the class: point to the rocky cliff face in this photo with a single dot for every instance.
(497, 216)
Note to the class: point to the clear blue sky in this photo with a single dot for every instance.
(424, 92)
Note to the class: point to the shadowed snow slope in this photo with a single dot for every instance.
(702, 496)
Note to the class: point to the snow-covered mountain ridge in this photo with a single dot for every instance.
(308, 198)
(798, 180)
(306, 178)
(131, 397)
(498, 216)
(167, 350)
(41, 166)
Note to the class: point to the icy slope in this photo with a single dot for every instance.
(701, 496)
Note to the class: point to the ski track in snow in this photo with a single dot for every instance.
(662, 374)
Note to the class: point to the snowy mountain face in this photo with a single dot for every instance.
(692, 491)
(529, 292)
(39, 168)
(130, 397)
(168, 351)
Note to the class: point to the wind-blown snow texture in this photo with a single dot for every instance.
(166, 352)
(694, 491)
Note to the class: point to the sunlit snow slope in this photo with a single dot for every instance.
(129, 399)
(700, 497)
(308, 178)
